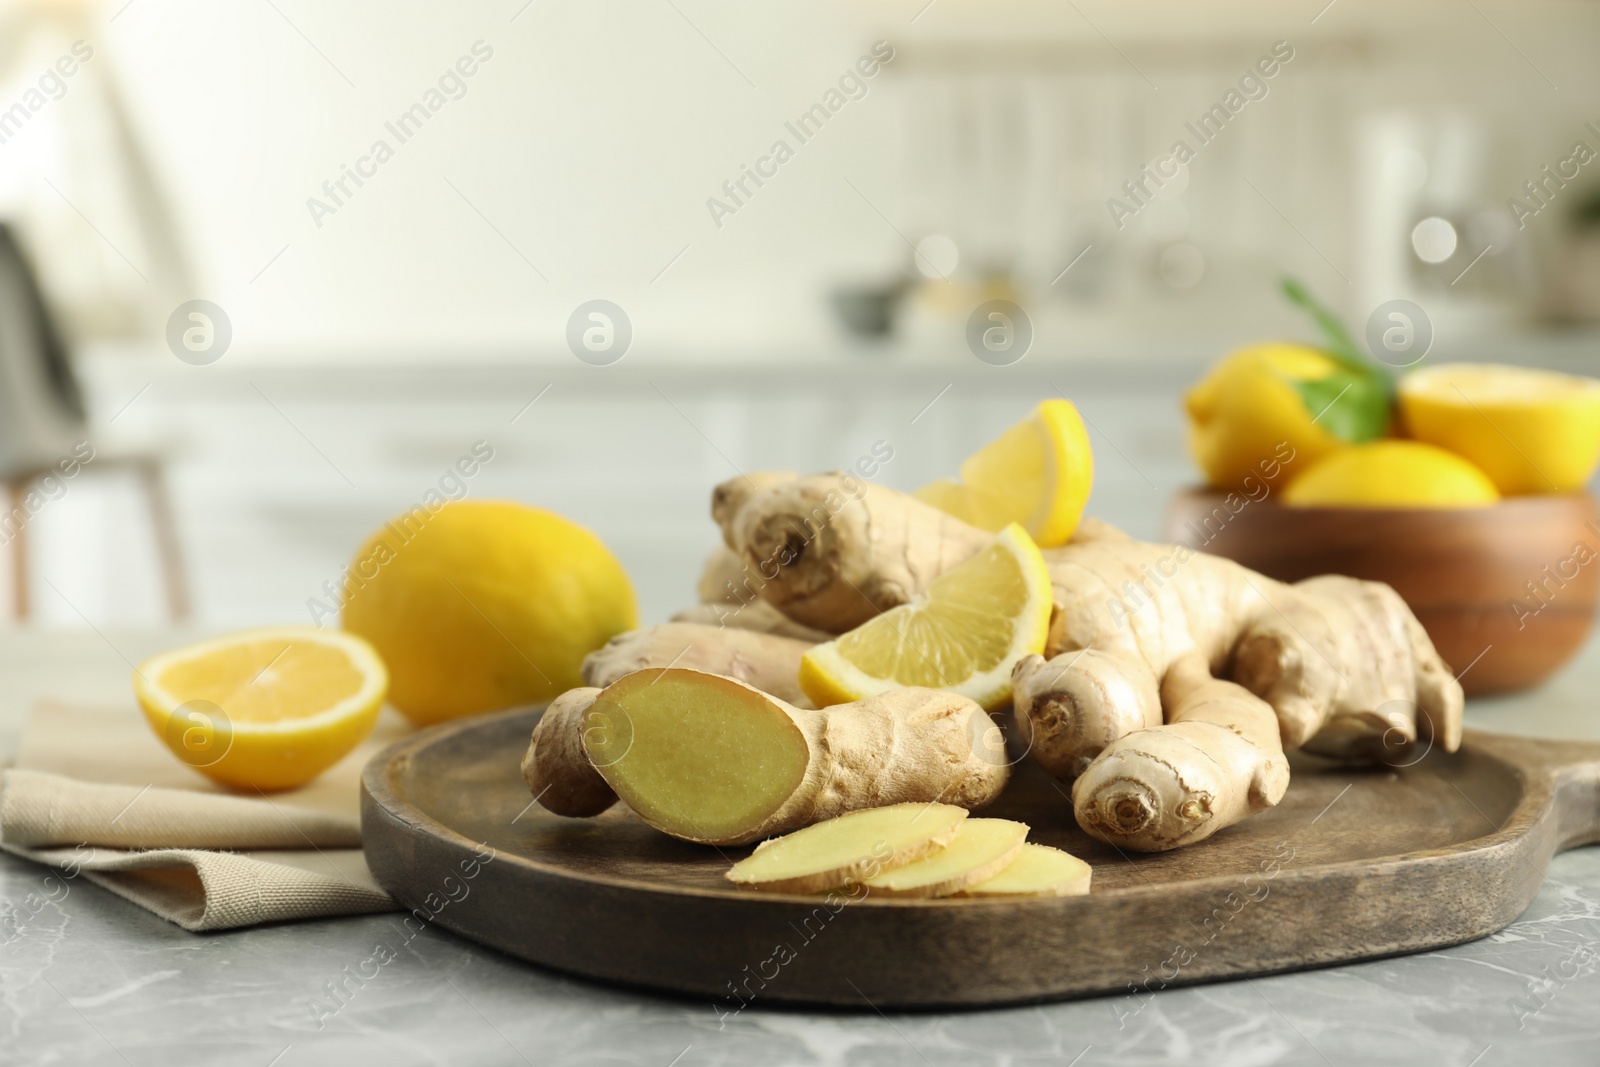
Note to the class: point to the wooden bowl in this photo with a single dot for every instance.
(1463, 571)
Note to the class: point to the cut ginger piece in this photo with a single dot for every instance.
(700, 756)
(713, 760)
(981, 849)
(848, 849)
(1038, 871)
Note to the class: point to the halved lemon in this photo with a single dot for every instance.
(1531, 431)
(264, 709)
(964, 634)
(1037, 474)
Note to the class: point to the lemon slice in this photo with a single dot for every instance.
(1531, 431)
(1037, 474)
(964, 634)
(264, 709)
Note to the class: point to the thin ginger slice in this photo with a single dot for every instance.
(981, 849)
(1040, 871)
(850, 848)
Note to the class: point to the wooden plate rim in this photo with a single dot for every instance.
(1533, 807)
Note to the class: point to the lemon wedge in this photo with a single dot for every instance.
(1531, 431)
(264, 709)
(1037, 474)
(964, 634)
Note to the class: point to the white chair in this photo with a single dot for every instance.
(43, 427)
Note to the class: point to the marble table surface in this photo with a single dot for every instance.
(91, 979)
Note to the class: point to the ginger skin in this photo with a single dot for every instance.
(729, 497)
(730, 595)
(757, 616)
(1217, 760)
(722, 577)
(1068, 709)
(556, 767)
(766, 661)
(833, 550)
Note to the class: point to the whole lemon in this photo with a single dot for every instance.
(1531, 431)
(480, 605)
(1391, 474)
(1248, 420)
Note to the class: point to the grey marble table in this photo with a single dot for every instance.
(91, 979)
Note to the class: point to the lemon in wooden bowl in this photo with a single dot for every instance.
(1391, 474)
(1531, 431)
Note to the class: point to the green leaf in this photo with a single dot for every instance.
(1352, 405)
(1340, 345)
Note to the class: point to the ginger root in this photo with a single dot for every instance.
(722, 577)
(766, 661)
(1143, 636)
(728, 498)
(1328, 650)
(556, 767)
(1068, 709)
(1349, 670)
(713, 760)
(756, 615)
(730, 595)
(833, 551)
(1217, 760)
(1342, 665)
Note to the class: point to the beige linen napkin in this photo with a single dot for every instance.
(94, 791)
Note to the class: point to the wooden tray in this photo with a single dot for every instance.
(1352, 864)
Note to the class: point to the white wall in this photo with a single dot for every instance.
(274, 498)
(593, 137)
(590, 142)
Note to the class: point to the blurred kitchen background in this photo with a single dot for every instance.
(371, 337)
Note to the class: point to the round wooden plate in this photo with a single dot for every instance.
(1352, 864)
